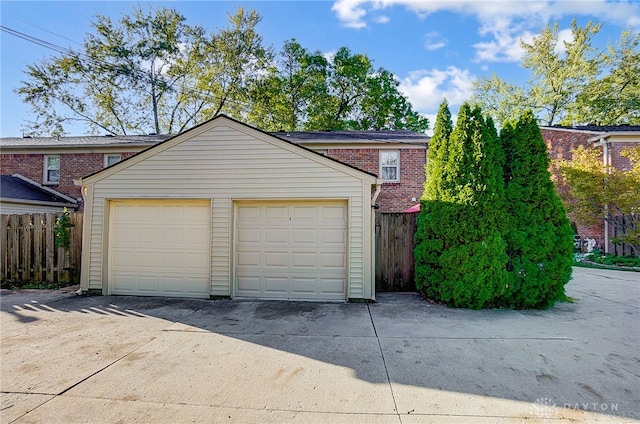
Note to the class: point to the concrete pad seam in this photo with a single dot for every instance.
(34, 408)
(244, 333)
(621, 367)
(384, 363)
(239, 408)
(563, 339)
(608, 300)
(104, 368)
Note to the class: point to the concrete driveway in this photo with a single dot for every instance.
(68, 358)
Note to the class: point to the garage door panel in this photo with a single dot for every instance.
(305, 236)
(332, 260)
(304, 260)
(296, 250)
(305, 212)
(334, 212)
(274, 236)
(276, 260)
(248, 236)
(333, 235)
(276, 285)
(304, 285)
(160, 248)
(249, 284)
(276, 213)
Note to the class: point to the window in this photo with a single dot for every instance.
(111, 160)
(390, 165)
(52, 169)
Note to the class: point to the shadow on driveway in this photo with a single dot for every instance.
(575, 356)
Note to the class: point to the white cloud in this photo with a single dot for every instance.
(350, 13)
(506, 22)
(565, 35)
(427, 88)
(433, 41)
(382, 19)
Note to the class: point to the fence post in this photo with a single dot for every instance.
(4, 247)
(50, 246)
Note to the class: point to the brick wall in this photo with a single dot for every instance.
(560, 145)
(72, 166)
(394, 197)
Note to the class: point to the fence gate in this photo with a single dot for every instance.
(394, 251)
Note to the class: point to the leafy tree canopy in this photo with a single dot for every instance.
(151, 72)
(307, 91)
(575, 85)
(597, 191)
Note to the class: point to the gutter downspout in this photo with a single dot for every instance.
(378, 185)
(374, 198)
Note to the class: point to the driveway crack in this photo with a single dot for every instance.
(384, 362)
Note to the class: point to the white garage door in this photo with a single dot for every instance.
(291, 250)
(160, 248)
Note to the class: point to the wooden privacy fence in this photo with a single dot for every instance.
(29, 253)
(394, 251)
(625, 223)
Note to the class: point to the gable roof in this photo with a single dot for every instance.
(297, 137)
(185, 135)
(18, 188)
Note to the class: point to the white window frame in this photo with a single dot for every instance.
(397, 166)
(46, 169)
(107, 156)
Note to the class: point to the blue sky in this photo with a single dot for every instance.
(435, 48)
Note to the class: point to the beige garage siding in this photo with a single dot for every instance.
(291, 250)
(159, 248)
(227, 162)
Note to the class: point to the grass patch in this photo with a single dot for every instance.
(41, 285)
(598, 259)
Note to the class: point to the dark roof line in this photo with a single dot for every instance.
(598, 128)
(20, 188)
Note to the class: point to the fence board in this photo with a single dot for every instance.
(4, 243)
(394, 251)
(38, 253)
(29, 253)
(626, 223)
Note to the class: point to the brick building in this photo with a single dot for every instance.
(610, 141)
(398, 157)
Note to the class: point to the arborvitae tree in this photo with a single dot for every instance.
(427, 241)
(537, 231)
(460, 254)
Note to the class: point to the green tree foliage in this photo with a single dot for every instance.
(147, 72)
(598, 192)
(280, 100)
(614, 98)
(63, 230)
(576, 84)
(307, 91)
(537, 232)
(460, 254)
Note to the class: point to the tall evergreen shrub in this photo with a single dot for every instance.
(460, 253)
(428, 242)
(537, 232)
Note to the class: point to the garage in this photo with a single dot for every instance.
(225, 210)
(159, 248)
(291, 250)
